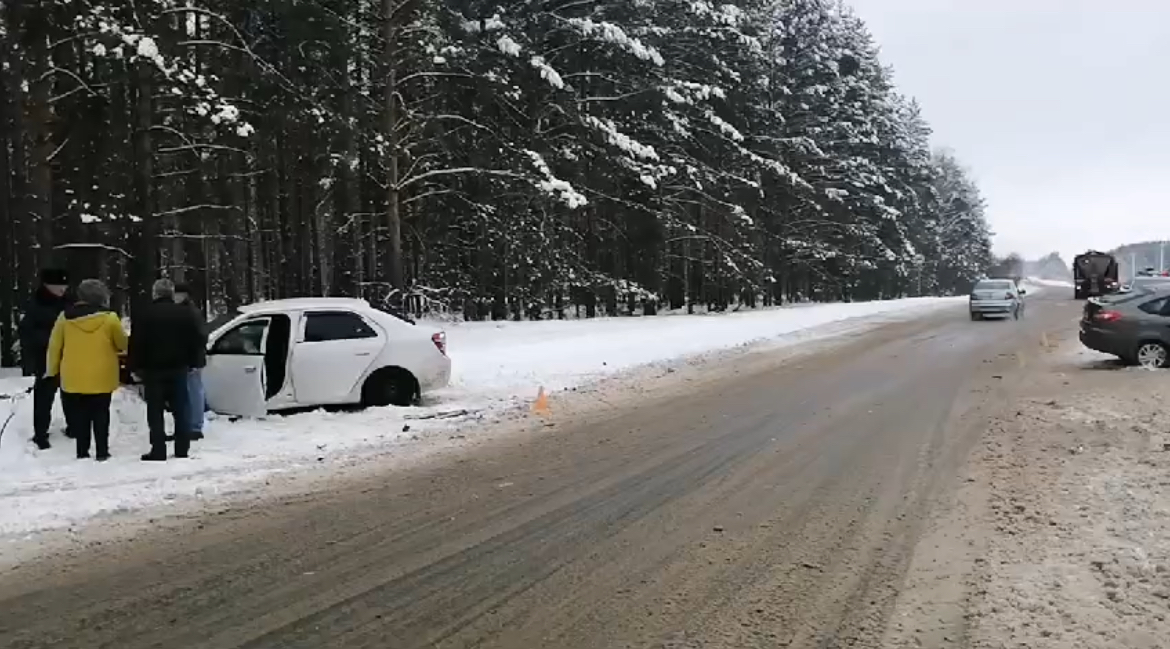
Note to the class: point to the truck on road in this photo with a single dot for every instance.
(1094, 274)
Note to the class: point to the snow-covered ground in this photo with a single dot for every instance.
(1079, 547)
(498, 366)
(1036, 283)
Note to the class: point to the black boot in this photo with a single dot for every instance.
(42, 443)
(155, 455)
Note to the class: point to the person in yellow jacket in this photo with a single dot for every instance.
(84, 347)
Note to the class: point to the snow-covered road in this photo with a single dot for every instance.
(497, 367)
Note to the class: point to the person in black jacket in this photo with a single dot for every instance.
(196, 398)
(165, 343)
(46, 304)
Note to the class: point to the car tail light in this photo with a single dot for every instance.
(440, 340)
(1107, 316)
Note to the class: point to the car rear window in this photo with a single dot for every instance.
(1153, 307)
(994, 286)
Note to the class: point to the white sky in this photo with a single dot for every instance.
(1060, 108)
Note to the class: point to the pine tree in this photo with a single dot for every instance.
(519, 161)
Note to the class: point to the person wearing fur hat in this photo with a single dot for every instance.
(36, 326)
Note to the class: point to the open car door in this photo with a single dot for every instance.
(234, 376)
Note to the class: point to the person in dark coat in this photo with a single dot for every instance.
(36, 326)
(196, 398)
(165, 343)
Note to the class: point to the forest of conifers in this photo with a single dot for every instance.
(516, 160)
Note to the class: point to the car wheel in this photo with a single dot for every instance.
(976, 316)
(390, 386)
(1153, 355)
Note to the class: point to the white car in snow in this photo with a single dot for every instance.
(307, 352)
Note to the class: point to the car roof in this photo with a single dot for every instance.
(307, 303)
(356, 305)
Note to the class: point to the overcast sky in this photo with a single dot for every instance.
(1061, 109)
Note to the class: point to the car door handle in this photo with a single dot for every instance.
(250, 369)
(362, 354)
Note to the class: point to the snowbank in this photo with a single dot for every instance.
(501, 359)
(1037, 283)
(496, 366)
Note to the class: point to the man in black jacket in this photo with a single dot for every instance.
(36, 326)
(196, 399)
(165, 343)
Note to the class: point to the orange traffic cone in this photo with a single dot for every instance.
(540, 407)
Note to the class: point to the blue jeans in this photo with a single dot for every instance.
(196, 400)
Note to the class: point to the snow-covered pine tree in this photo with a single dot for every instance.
(964, 238)
(536, 160)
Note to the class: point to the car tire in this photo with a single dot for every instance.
(1153, 355)
(976, 316)
(390, 386)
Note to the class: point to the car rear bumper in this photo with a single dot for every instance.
(992, 307)
(1104, 341)
(439, 376)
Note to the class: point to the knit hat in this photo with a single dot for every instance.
(55, 276)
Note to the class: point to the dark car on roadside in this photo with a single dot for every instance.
(1133, 326)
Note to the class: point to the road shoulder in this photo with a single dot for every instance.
(1056, 535)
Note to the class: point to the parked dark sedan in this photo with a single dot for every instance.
(1133, 326)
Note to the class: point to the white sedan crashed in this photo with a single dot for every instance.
(307, 352)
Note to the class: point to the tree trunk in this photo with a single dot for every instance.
(146, 252)
(39, 116)
(393, 206)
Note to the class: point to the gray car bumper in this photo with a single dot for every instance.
(993, 307)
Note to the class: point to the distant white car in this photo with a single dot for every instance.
(997, 297)
(307, 352)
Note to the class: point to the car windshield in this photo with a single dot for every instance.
(1003, 285)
